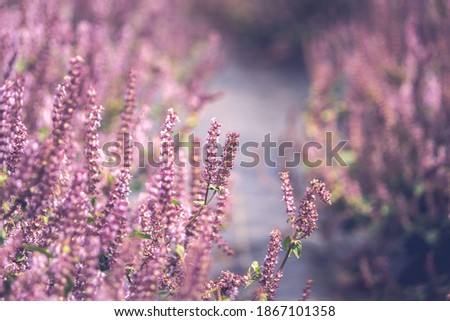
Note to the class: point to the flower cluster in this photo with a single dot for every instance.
(72, 229)
(305, 222)
(268, 284)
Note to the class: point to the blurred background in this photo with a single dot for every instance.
(374, 73)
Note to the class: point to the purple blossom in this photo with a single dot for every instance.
(92, 148)
(288, 196)
(227, 284)
(211, 162)
(197, 267)
(306, 221)
(228, 156)
(268, 283)
(307, 290)
(127, 120)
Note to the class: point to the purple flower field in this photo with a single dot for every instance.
(110, 191)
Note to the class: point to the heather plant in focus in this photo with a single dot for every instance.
(379, 81)
(76, 75)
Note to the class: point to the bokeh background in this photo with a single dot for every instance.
(374, 73)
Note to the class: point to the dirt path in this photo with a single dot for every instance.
(257, 101)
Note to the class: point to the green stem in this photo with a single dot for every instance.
(288, 252)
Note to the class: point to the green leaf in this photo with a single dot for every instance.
(286, 243)
(38, 249)
(138, 234)
(2, 236)
(200, 203)
(20, 258)
(179, 249)
(297, 249)
(176, 202)
(93, 201)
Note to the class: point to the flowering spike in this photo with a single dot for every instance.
(306, 221)
(288, 196)
(66, 108)
(268, 283)
(92, 147)
(127, 120)
(212, 143)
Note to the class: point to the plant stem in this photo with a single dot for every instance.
(288, 252)
(194, 217)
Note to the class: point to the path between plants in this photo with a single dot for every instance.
(257, 100)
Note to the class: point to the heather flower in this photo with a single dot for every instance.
(13, 132)
(87, 276)
(288, 196)
(197, 190)
(19, 136)
(114, 284)
(306, 221)
(268, 283)
(92, 148)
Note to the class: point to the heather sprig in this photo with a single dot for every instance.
(226, 286)
(71, 229)
(305, 222)
(211, 170)
(288, 196)
(268, 283)
(375, 83)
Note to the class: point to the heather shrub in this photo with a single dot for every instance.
(379, 81)
(77, 223)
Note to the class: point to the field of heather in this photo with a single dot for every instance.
(224, 150)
